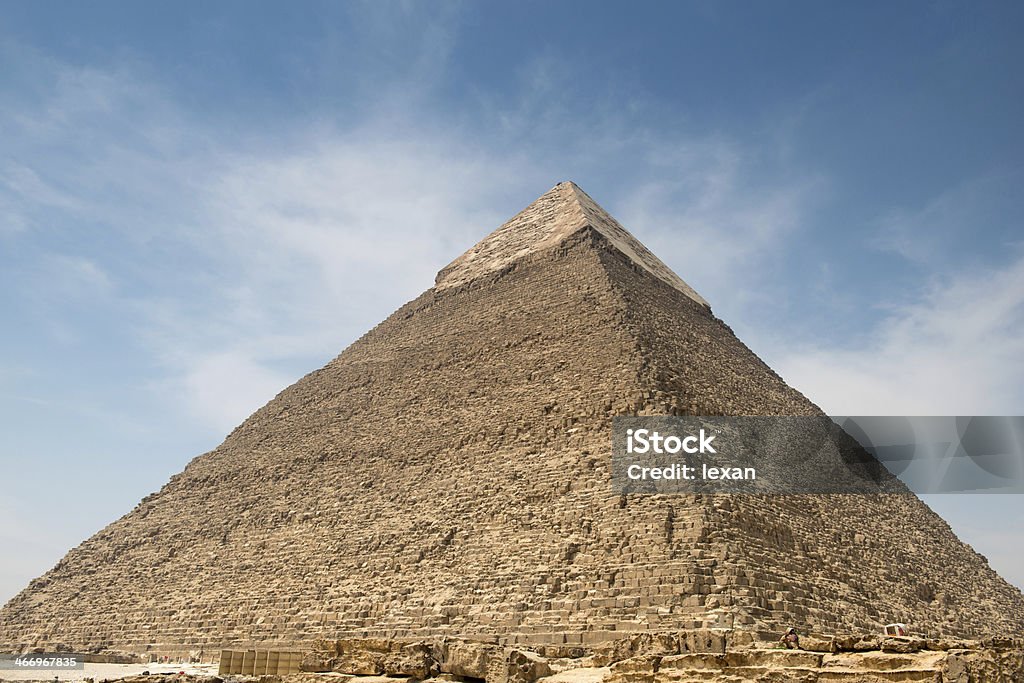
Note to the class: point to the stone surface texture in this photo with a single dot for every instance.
(666, 658)
(447, 476)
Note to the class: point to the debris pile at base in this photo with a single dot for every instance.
(710, 656)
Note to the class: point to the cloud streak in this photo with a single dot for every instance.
(955, 350)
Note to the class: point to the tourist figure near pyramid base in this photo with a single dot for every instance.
(447, 476)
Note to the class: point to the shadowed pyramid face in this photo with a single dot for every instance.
(447, 474)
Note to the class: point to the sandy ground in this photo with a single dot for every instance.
(99, 672)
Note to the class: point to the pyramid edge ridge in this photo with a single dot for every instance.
(626, 242)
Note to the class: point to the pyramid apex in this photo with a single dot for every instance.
(557, 214)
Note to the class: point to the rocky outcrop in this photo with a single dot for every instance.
(373, 657)
(463, 659)
(670, 658)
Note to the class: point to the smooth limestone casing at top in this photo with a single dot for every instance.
(448, 474)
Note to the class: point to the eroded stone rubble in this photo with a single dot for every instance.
(704, 655)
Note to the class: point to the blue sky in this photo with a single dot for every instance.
(201, 202)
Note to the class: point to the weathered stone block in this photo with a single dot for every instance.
(702, 641)
(526, 667)
(640, 669)
(466, 658)
(413, 659)
(316, 662)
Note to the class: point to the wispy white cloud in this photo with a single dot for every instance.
(931, 233)
(722, 230)
(222, 388)
(74, 276)
(22, 185)
(954, 351)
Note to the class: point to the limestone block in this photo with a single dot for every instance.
(360, 663)
(413, 659)
(640, 669)
(466, 658)
(901, 644)
(856, 643)
(316, 662)
(817, 644)
(580, 675)
(702, 641)
(526, 667)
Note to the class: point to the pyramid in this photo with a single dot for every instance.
(448, 474)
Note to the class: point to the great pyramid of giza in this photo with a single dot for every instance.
(447, 474)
